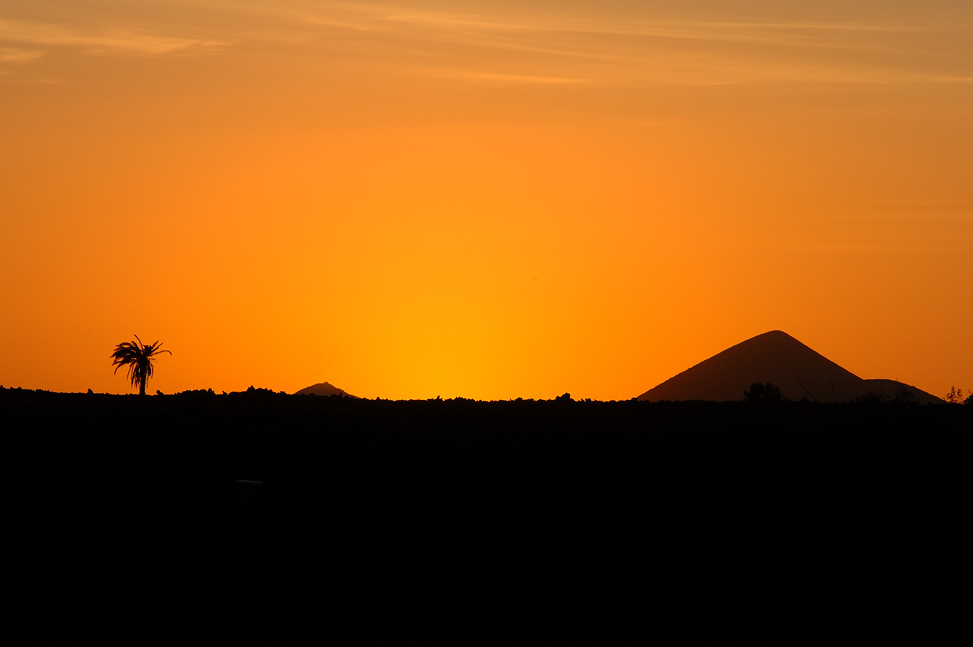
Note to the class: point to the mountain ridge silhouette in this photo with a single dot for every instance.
(797, 370)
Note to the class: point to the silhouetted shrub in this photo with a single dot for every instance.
(251, 392)
(955, 396)
(903, 394)
(763, 393)
(195, 392)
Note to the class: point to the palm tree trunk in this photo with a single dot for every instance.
(142, 387)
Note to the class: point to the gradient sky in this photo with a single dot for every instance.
(488, 199)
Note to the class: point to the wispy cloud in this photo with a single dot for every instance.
(18, 55)
(339, 24)
(603, 48)
(370, 17)
(99, 40)
(504, 79)
(482, 44)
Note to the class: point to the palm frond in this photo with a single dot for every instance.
(137, 358)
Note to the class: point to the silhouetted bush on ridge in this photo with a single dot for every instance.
(765, 392)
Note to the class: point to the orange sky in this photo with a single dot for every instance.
(412, 199)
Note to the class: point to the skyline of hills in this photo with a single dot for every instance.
(798, 371)
(773, 357)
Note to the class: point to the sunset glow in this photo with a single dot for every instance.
(482, 199)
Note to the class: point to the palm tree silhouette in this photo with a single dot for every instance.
(138, 357)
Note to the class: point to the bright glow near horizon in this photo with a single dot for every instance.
(482, 199)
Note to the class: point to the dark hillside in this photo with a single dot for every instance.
(266, 515)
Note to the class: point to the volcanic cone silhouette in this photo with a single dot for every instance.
(776, 357)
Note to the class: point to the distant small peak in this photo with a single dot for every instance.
(323, 388)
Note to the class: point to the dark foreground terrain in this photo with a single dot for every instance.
(279, 518)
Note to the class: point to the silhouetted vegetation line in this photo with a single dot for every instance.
(379, 514)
